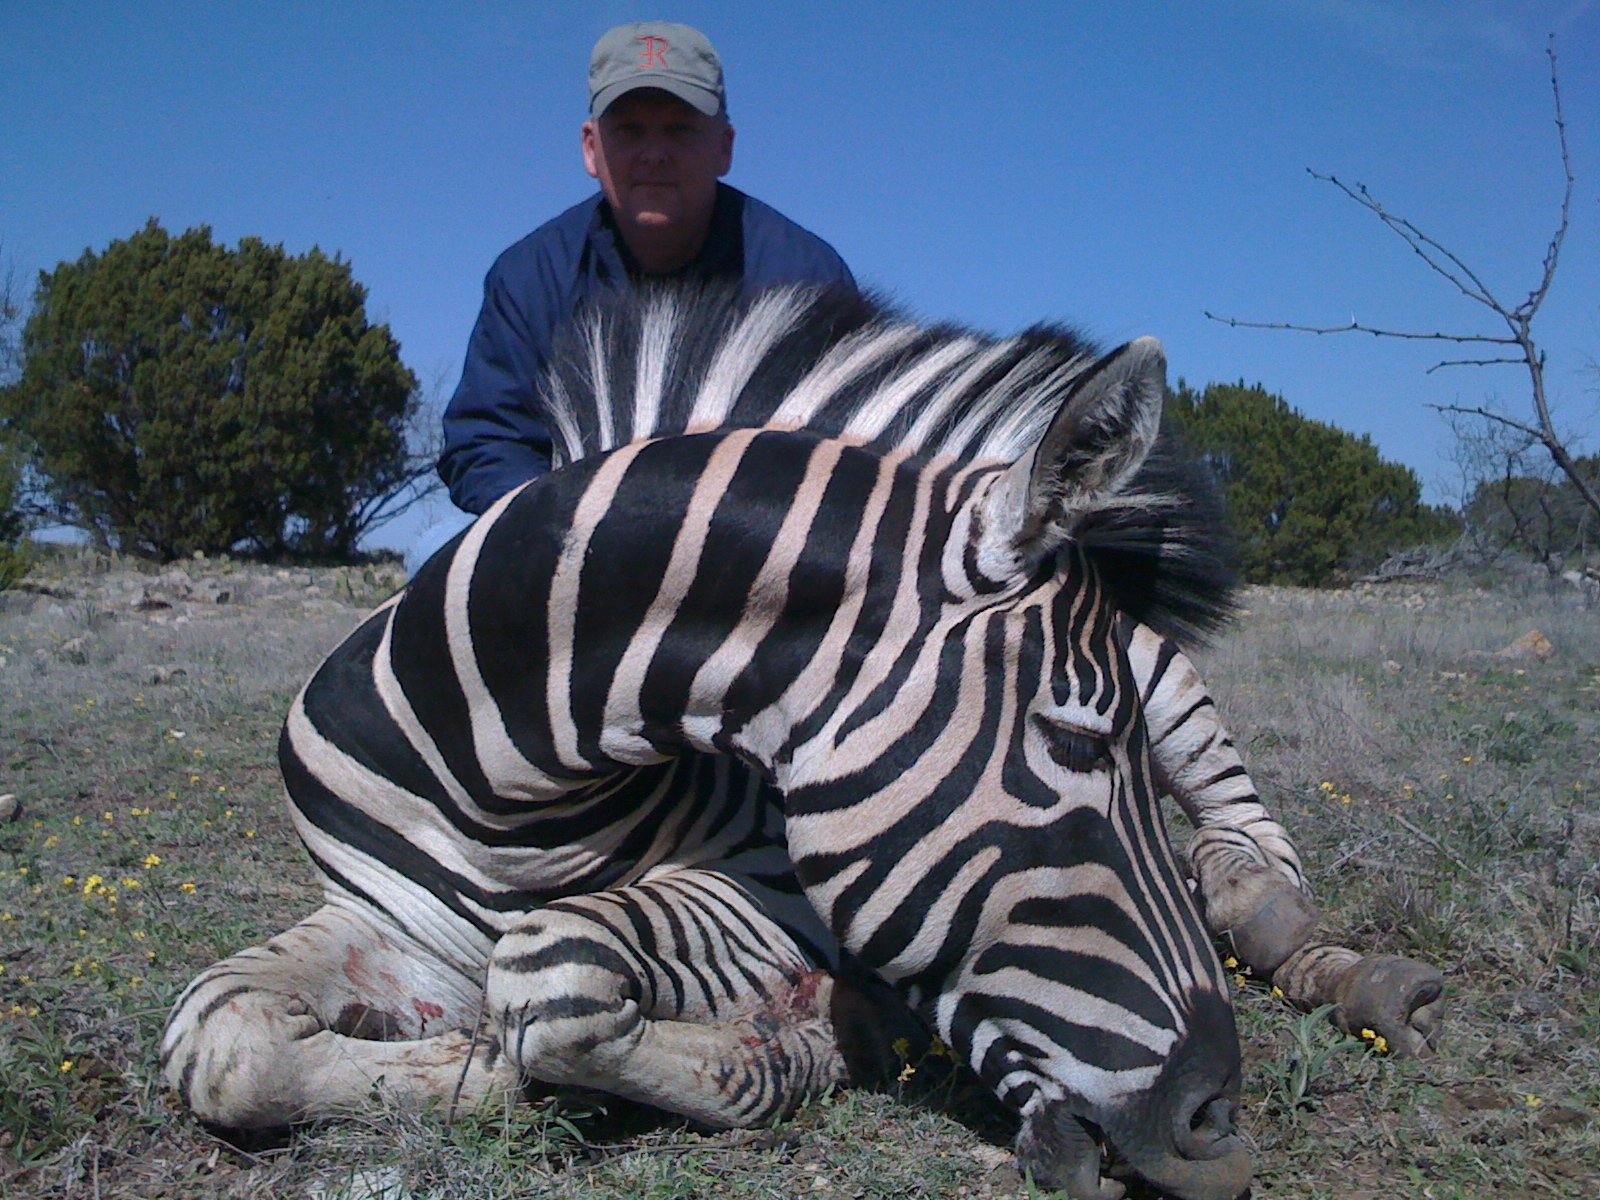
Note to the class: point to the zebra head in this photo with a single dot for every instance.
(911, 559)
(976, 817)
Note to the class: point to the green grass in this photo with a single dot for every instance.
(1459, 823)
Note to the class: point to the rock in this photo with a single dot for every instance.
(1532, 644)
(10, 807)
(1392, 667)
(148, 601)
(74, 650)
(216, 593)
(991, 1157)
(160, 675)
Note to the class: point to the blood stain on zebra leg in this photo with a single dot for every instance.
(803, 995)
(355, 969)
(426, 1011)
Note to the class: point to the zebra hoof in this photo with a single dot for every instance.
(1399, 1000)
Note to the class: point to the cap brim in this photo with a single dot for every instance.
(698, 98)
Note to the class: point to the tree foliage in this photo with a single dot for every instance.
(1308, 501)
(181, 396)
(14, 558)
(1520, 503)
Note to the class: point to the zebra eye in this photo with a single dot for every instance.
(1074, 748)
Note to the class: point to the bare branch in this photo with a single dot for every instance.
(1553, 253)
(1489, 415)
(1421, 244)
(1357, 327)
(1476, 362)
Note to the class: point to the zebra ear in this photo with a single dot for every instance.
(1098, 440)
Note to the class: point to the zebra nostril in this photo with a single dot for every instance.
(1211, 1129)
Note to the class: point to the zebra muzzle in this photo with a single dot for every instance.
(1057, 1151)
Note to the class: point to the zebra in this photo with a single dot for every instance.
(834, 675)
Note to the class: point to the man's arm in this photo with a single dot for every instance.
(494, 437)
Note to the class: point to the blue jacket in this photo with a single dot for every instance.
(495, 435)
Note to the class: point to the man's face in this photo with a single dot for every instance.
(658, 160)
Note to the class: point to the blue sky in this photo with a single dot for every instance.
(1123, 167)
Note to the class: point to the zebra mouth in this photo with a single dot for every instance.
(1202, 1159)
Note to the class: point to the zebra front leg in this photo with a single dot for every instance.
(1272, 927)
(680, 992)
(1251, 885)
(314, 1021)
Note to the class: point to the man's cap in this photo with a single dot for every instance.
(656, 54)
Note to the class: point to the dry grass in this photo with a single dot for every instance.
(1445, 799)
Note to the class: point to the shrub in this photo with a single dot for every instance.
(1309, 501)
(186, 397)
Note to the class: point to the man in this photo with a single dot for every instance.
(658, 141)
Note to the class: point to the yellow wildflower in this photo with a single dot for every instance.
(187, 889)
(66, 1066)
(901, 1047)
(151, 860)
(1532, 1101)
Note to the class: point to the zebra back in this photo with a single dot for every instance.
(682, 360)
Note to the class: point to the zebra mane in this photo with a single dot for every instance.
(662, 361)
